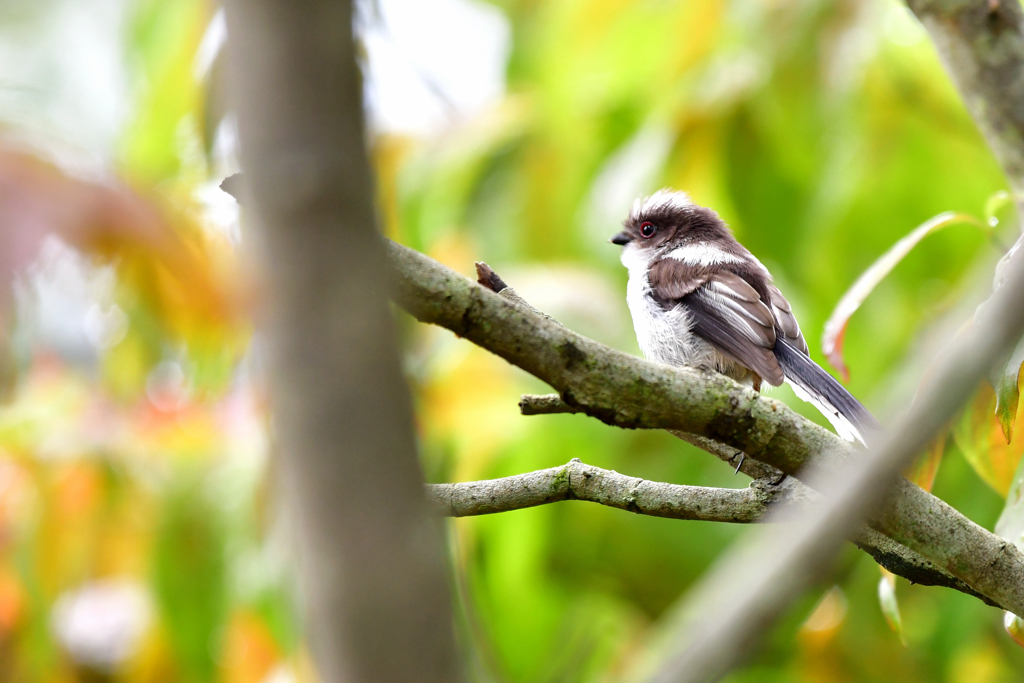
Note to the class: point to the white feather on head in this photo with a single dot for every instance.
(665, 198)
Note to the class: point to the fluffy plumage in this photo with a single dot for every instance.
(699, 298)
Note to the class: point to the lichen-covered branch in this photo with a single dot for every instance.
(897, 558)
(626, 391)
(613, 386)
(578, 481)
(553, 403)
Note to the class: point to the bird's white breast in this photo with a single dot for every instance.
(663, 336)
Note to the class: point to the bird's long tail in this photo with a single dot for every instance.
(811, 383)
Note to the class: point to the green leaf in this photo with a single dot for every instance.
(1004, 380)
(835, 328)
(190, 581)
(165, 36)
(995, 204)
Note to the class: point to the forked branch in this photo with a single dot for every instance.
(627, 391)
(579, 481)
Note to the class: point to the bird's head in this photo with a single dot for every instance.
(668, 219)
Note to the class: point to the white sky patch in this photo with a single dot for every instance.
(65, 303)
(63, 80)
(432, 63)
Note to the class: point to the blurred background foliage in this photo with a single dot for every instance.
(140, 537)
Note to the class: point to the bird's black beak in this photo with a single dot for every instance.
(621, 239)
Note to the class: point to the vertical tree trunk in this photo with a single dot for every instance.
(376, 599)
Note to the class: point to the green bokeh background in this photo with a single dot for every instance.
(822, 131)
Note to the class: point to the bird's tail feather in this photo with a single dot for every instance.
(811, 383)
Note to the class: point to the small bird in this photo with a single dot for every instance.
(699, 298)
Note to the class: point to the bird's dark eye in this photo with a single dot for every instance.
(647, 229)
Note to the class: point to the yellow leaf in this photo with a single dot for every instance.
(249, 652)
(827, 617)
(980, 438)
(926, 466)
(1014, 626)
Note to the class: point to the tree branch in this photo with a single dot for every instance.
(894, 557)
(727, 613)
(578, 481)
(627, 391)
(613, 386)
(897, 558)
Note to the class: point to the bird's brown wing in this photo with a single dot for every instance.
(672, 279)
(724, 310)
(727, 312)
(785, 321)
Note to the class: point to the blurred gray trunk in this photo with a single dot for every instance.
(376, 598)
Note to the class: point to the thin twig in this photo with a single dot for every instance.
(578, 481)
(898, 559)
